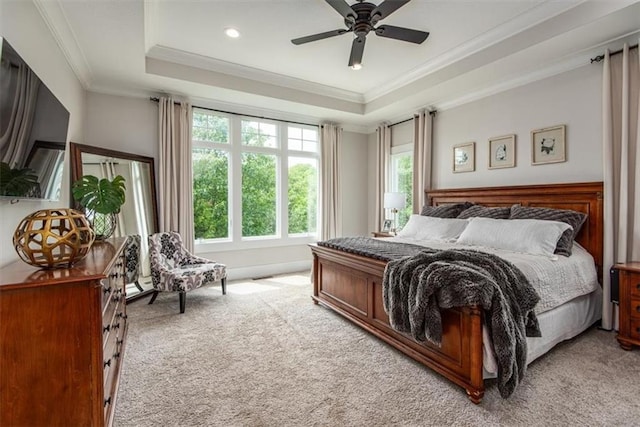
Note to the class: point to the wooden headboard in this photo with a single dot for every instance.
(582, 197)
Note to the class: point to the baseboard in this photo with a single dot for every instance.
(267, 270)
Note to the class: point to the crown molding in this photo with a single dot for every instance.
(53, 15)
(151, 13)
(177, 56)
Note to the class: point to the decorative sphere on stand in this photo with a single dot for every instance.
(53, 238)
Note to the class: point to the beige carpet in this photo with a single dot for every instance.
(265, 355)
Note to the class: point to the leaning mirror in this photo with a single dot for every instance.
(138, 215)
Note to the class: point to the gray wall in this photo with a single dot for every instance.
(25, 30)
(572, 98)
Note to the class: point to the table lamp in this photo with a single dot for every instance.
(394, 201)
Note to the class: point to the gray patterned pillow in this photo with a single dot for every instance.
(486, 212)
(445, 211)
(573, 218)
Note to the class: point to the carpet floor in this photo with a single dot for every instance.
(265, 355)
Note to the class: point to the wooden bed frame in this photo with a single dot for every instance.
(351, 284)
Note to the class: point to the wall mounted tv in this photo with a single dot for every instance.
(33, 132)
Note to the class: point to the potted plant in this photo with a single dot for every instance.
(17, 182)
(102, 200)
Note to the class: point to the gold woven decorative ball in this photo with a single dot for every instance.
(53, 238)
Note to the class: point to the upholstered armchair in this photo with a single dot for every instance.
(174, 269)
(132, 257)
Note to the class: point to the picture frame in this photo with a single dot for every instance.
(386, 226)
(502, 152)
(548, 145)
(464, 157)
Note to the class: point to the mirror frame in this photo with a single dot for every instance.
(75, 156)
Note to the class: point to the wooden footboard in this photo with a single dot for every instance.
(351, 285)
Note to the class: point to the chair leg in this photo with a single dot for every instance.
(183, 301)
(139, 286)
(153, 297)
(224, 285)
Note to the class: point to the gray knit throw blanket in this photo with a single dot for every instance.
(416, 287)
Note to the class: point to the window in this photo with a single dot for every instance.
(401, 178)
(254, 180)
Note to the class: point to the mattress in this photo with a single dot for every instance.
(570, 296)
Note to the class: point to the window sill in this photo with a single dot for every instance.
(224, 245)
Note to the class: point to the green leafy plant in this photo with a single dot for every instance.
(16, 182)
(100, 195)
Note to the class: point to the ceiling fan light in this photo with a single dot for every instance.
(356, 66)
(232, 32)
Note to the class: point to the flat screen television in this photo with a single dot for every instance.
(33, 132)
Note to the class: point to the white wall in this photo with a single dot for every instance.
(572, 99)
(26, 31)
(131, 125)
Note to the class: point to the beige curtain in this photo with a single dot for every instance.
(422, 143)
(175, 183)
(383, 156)
(330, 141)
(620, 109)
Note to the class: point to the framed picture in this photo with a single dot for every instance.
(387, 225)
(548, 145)
(464, 157)
(502, 152)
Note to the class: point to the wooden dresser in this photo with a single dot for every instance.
(62, 340)
(629, 328)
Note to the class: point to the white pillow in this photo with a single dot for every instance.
(421, 227)
(518, 235)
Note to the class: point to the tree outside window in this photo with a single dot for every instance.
(259, 148)
(401, 173)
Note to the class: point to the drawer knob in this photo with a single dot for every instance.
(106, 328)
(638, 286)
(119, 341)
(124, 316)
(107, 363)
(116, 355)
(638, 308)
(107, 290)
(116, 326)
(107, 401)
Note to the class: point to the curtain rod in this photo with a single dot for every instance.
(431, 113)
(239, 114)
(600, 58)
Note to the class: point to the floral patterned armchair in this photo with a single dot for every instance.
(132, 256)
(174, 269)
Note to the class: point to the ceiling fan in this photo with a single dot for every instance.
(361, 18)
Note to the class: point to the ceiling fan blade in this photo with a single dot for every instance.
(357, 50)
(399, 33)
(320, 36)
(343, 9)
(386, 8)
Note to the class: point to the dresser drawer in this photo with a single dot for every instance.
(634, 331)
(633, 283)
(634, 310)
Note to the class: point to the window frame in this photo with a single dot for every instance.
(235, 149)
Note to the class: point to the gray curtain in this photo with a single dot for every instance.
(383, 157)
(176, 178)
(14, 141)
(620, 110)
(422, 146)
(330, 141)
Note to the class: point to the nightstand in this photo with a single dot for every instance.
(629, 304)
(381, 234)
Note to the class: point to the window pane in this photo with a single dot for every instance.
(210, 128)
(258, 195)
(303, 139)
(303, 195)
(402, 182)
(259, 134)
(210, 193)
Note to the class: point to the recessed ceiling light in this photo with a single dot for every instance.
(356, 66)
(232, 32)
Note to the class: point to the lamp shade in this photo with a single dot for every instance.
(394, 200)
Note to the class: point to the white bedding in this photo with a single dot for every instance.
(570, 296)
